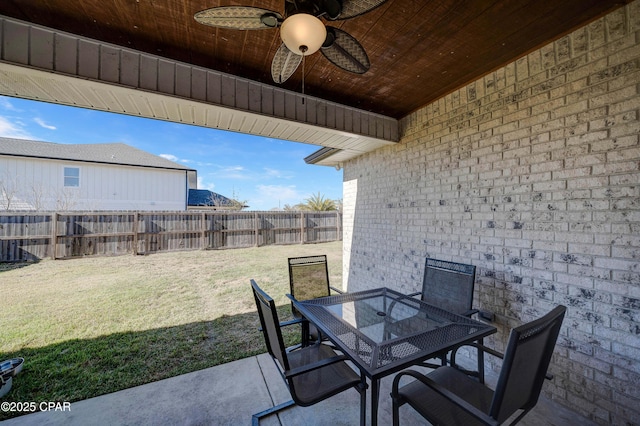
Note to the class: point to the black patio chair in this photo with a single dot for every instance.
(309, 279)
(448, 396)
(447, 285)
(312, 373)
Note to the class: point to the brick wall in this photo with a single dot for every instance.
(532, 173)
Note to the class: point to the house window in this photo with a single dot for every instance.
(72, 177)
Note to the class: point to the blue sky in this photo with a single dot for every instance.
(266, 173)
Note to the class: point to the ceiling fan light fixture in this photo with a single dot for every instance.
(303, 34)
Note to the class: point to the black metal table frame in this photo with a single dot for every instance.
(316, 310)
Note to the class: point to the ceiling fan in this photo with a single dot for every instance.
(301, 30)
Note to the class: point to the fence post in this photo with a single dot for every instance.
(134, 229)
(302, 227)
(256, 231)
(147, 244)
(54, 235)
(203, 236)
(338, 233)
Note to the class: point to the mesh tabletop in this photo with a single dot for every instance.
(383, 329)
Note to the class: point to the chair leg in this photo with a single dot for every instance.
(363, 401)
(395, 411)
(255, 419)
(305, 333)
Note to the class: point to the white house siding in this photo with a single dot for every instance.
(102, 186)
(532, 173)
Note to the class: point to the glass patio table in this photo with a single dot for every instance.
(383, 331)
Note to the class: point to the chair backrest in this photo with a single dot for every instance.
(270, 325)
(525, 364)
(448, 285)
(308, 278)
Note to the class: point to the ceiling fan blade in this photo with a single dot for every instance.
(239, 18)
(351, 8)
(345, 52)
(284, 64)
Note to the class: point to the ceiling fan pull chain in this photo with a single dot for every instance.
(302, 79)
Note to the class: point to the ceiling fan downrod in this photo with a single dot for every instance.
(303, 49)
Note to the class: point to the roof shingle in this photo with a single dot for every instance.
(109, 153)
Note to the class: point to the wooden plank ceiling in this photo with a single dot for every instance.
(419, 50)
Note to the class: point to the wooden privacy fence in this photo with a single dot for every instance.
(33, 236)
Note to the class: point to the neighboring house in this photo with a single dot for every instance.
(203, 199)
(112, 176)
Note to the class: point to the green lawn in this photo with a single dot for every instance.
(92, 326)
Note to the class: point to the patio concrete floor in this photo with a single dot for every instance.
(229, 394)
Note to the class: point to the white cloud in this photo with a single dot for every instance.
(41, 123)
(278, 174)
(205, 185)
(169, 157)
(232, 172)
(233, 169)
(13, 130)
(5, 103)
(175, 159)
